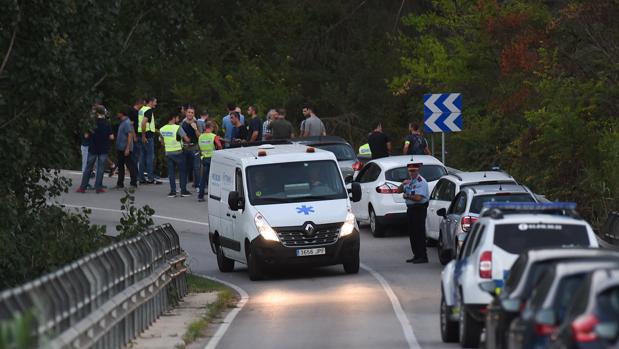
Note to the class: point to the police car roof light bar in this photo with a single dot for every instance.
(498, 209)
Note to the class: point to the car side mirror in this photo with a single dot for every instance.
(546, 317)
(356, 192)
(235, 201)
(488, 286)
(607, 330)
(442, 212)
(348, 179)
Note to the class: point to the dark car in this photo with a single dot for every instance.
(549, 302)
(343, 151)
(524, 275)
(592, 321)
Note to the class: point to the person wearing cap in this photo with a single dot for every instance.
(415, 192)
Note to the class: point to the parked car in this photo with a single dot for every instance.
(464, 211)
(448, 186)
(381, 204)
(344, 153)
(502, 233)
(523, 277)
(592, 321)
(549, 302)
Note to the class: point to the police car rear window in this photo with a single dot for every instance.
(428, 172)
(517, 238)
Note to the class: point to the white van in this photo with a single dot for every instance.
(280, 204)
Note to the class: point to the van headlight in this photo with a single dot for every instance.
(265, 229)
(349, 225)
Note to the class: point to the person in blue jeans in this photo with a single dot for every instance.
(172, 134)
(146, 135)
(208, 142)
(190, 149)
(97, 151)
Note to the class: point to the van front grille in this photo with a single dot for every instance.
(322, 235)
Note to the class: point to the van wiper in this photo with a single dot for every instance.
(274, 199)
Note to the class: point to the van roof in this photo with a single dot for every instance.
(274, 154)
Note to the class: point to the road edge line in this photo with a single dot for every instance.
(221, 331)
(119, 211)
(397, 308)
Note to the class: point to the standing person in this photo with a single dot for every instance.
(146, 135)
(415, 144)
(171, 135)
(254, 133)
(266, 130)
(133, 117)
(191, 149)
(312, 125)
(239, 131)
(280, 127)
(415, 192)
(209, 142)
(380, 145)
(124, 149)
(227, 124)
(97, 151)
(202, 120)
(85, 143)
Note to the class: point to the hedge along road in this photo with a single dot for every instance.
(389, 304)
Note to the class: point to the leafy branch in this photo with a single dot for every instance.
(134, 220)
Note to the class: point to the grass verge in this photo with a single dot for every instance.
(225, 299)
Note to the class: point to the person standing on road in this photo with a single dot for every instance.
(266, 129)
(202, 120)
(415, 144)
(364, 151)
(312, 125)
(172, 134)
(133, 117)
(191, 150)
(415, 192)
(209, 142)
(124, 148)
(239, 130)
(146, 135)
(380, 145)
(254, 133)
(97, 151)
(228, 126)
(280, 127)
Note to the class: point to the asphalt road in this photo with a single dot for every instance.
(389, 304)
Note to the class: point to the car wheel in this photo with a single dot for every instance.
(469, 329)
(352, 265)
(378, 230)
(444, 256)
(449, 328)
(224, 263)
(253, 265)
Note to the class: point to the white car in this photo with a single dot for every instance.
(502, 233)
(379, 179)
(448, 186)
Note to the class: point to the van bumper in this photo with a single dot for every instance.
(271, 253)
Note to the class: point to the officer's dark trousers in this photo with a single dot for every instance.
(133, 170)
(417, 229)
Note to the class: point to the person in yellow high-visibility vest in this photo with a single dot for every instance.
(364, 150)
(171, 135)
(146, 143)
(208, 142)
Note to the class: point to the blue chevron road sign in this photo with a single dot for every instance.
(442, 112)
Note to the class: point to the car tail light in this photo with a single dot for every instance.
(387, 188)
(583, 328)
(544, 329)
(357, 166)
(485, 265)
(467, 222)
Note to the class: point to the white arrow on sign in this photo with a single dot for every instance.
(430, 104)
(449, 103)
(449, 122)
(430, 122)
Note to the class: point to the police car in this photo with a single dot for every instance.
(503, 231)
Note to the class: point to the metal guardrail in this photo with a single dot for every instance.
(609, 234)
(107, 298)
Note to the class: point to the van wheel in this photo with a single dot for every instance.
(377, 229)
(469, 328)
(444, 256)
(224, 263)
(449, 328)
(352, 265)
(253, 266)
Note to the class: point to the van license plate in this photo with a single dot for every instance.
(311, 252)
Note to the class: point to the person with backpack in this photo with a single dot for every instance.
(414, 143)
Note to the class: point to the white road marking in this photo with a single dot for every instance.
(221, 331)
(397, 308)
(154, 216)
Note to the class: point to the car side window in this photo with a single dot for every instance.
(363, 173)
(371, 174)
(458, 205)
(238, 182)
(468, 243)
(437, 189)
(450, 191)
(478, 238)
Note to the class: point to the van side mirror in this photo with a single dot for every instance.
(442, 212)
(348, 179)
(356, 191)
(236, 201)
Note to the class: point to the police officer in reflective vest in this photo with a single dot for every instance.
(364, 150)
(208, 143)
(415, 192)
(146, 144)
(172, 134)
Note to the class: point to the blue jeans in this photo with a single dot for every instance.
(147, 158)
(177, 161)
(192, 160)
(84, 149)
(137, 155)
(101, 161)
(206, 164)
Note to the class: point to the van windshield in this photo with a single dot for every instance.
(294, 182)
